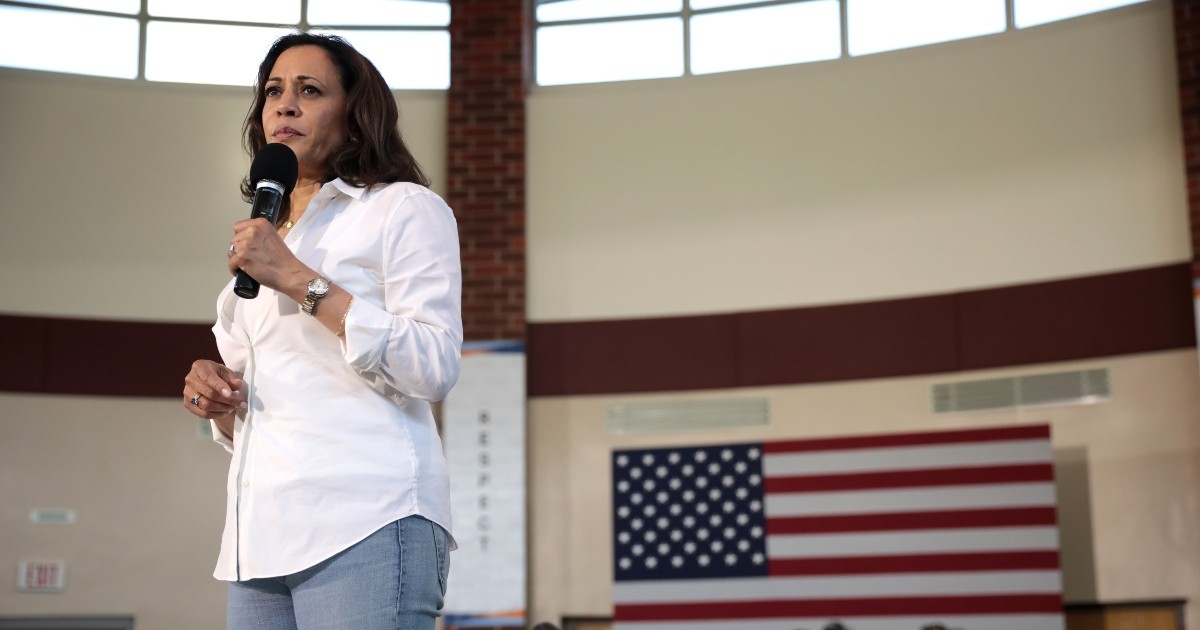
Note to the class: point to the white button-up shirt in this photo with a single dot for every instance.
(339, 439)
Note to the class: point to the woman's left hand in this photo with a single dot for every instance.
(257, 249)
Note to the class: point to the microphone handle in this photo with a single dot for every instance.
(268, 196)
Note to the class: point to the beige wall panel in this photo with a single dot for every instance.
(120, 195)
(1047, 153)
(1127, 471)
(149, 494)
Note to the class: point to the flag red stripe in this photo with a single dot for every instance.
(1041, 431)
(865, 607)
(1015, 473)
(948, 519)
(916, 563)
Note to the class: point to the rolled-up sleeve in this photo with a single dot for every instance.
(219, 437)
(414, 342)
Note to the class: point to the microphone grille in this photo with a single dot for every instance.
(276, 162)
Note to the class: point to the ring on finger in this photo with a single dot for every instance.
(232, 249)
(195, 400)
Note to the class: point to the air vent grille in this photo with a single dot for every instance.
(1061, 388)
(688, 415)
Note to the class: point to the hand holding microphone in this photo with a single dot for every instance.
(273, 174)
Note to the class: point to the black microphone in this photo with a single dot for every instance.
(273, 175)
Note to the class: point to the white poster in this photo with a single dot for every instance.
(484, 435)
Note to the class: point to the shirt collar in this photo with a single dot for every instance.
(348, 189)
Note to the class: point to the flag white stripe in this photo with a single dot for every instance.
(998, 495)
(989, 622)
(838, 586)
(908, 458)
(987, 539)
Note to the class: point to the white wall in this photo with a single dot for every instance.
(1047, 153)
(119, 196)
(149, 495)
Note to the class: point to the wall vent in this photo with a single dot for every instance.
(688, 415)
(1083, 387)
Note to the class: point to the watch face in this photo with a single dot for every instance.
(318, 286)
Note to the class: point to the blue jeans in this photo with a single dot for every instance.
(393, 580)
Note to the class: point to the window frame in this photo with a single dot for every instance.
(686, 13)
(144, 18)
(533, 24)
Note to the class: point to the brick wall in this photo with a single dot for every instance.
(1187, 51)
(485, 162)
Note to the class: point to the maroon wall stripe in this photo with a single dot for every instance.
(1138, 311)
(632, 355)
(1130, 312)
(111, 358)
(847, 342)
(1120, 313)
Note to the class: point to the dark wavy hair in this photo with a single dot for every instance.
(375, 152)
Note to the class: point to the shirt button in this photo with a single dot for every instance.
(245, 483)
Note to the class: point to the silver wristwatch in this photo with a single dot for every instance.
(317, 288)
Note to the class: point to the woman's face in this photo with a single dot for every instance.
(305, 107)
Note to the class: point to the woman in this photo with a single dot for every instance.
(338, 511)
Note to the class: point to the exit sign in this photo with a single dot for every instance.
(42, 576)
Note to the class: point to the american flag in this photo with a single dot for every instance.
(888, 532)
